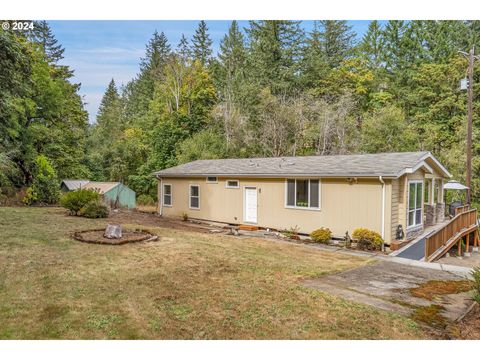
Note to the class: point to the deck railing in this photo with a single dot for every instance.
(440, 237)
(461, 209)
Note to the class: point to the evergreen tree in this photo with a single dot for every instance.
(202, 44)
(337, 41)
(394, 46)
(183, 48)
(314, 58)
(156, 54)
(372, 44)
(109, 111)
(275, 51)
(232, 58)
(43, 35)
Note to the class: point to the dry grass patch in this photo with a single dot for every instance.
(433, 288)
(185, 286)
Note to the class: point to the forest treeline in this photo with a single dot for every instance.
(273, 89)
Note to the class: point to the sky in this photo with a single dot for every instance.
(98, 51)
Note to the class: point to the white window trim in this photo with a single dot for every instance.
(190, 197)
(295, 198)
(211, 182)
(163, 195)
(232, 187)
(421, 203)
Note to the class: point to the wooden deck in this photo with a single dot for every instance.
(462, 227)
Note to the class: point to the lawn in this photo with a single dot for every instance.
(188, 285)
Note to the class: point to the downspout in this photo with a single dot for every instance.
(383, 211)
(160, 200)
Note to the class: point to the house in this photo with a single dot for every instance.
(114, 194)
(382, 192)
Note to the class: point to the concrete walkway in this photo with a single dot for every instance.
(387, 286)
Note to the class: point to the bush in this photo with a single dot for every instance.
(76, 200)
(44, 187)
(367, 239)
(322, 235)
(476, 283)
(292, 233)
(94, 209)
(30, 197)
(145, 200)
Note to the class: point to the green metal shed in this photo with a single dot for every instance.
(115, 194)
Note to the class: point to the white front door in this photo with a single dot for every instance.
(250, 205)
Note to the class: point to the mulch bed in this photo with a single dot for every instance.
(128, 236)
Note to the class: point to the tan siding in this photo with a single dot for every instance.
(395, 207)
(344, 207)
(388, 211)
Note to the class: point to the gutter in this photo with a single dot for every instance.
(383, 210)
(276, 176)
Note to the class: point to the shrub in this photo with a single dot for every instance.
(322, 235)
(367, 239)
(145, 200)
(476, 283)
(292, 233)
(44, 187)
(185, 216)
(30, 196)
(94, 209)
(76, 200)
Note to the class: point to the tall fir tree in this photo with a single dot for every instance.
(42, 34)
(337, 39)
(202, 44)
(394, 48)
(232, 59)
(109, 111)
(157, 51)
(275, 53)
(314, 64)
(372, 45)
(183, 48)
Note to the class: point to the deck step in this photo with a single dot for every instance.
(248, 227)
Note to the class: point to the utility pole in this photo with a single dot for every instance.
(469, 123)
(471, 59)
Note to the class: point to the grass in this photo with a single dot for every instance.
(185, 286)
(433, 288)
(430, 315)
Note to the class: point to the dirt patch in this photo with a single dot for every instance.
(433, 288)
(152, 219)
(128, 236)
(469, 327)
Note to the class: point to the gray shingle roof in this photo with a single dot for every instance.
(384, 164)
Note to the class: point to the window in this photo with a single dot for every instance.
(167, 195)
(233, 184)
(415, 192)
(194, 197)
(303, 193)
(212, 179)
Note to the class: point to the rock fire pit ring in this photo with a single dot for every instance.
(98, 236)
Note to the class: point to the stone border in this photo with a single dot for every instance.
(147, 237)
